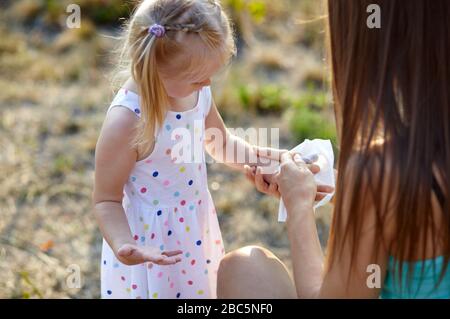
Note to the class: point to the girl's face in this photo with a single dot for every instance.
(191, 72)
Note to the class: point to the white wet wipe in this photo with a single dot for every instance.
(321, 153)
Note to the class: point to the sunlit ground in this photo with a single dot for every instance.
(54, 91)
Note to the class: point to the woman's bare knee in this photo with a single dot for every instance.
(253, 272)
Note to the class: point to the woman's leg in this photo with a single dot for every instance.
(253, 272)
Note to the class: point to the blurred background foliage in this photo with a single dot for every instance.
(55, 90)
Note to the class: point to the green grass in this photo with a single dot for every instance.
(268, 98)
(52, 12)
(307, 118)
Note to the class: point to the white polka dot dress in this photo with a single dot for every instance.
(168, 205)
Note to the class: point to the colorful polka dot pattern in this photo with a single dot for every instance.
(168, 207)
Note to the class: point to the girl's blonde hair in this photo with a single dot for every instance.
(143, 55)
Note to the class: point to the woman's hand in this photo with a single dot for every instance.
(266, 183)
(296, 180)
(130, 254)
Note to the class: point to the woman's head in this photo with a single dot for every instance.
(189, 42)
(392, 84)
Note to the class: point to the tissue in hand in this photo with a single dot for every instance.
(325, 160)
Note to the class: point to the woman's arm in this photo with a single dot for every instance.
(306, 251)
(297, 188)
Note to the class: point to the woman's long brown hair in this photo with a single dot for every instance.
(392, 84)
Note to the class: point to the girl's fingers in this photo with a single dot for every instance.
(273, 190)
(254, 175)
(260, 184)
(171, 261)
(158, 259)
(269, 178)
(162, 260)
(167, 261)
(325, 189)
(249, 173)
(137, 255)
(270, 153)
(171, 253)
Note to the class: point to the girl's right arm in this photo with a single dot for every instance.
(114, 161)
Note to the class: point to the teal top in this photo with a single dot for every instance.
(418, 286)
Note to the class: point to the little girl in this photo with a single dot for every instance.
(160, 228)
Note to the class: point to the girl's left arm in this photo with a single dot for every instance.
(230, 149)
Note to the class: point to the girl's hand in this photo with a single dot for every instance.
(268, 159)
(268, 155)
(130, 254)
(264, 183)
(267, 184)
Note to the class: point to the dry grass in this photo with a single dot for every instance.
(53, 97)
